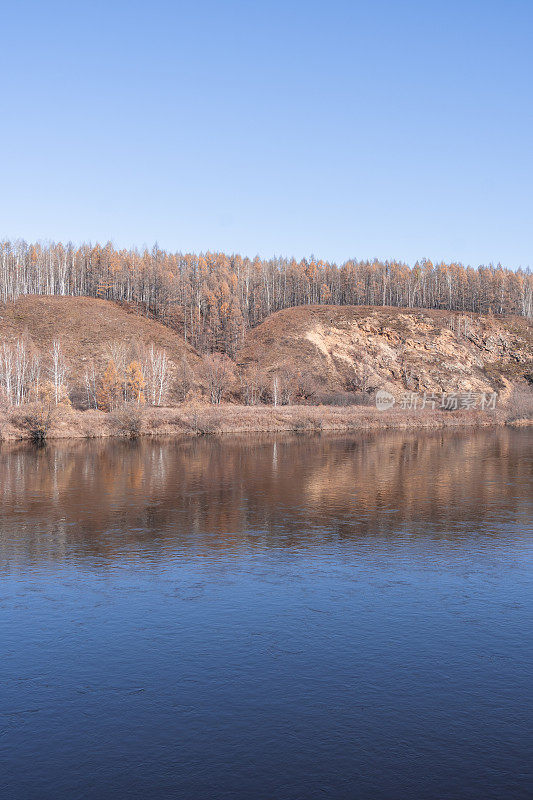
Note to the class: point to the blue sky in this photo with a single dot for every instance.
(343, 129)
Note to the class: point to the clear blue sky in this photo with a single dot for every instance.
(342, 129)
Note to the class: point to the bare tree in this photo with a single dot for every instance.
(91, 386)
(19, 372)
(282, 388)
(275, 390)
(218, 374)
(156, 367)
(21, 365)
(34, 376)
(58, 371)
(7, 371)
(184, 380)
(253, 385)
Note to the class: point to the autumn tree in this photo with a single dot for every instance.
(135, 383)
(282, 387)
(184, 380)
(109, 393)
(253, 384)
(213, 298)
(155, 366)
(217, 372)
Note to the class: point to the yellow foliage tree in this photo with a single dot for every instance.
(135, 382)
(109, 392)
(47, 393)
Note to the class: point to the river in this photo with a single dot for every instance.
(284, 618)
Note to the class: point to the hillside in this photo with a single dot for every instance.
(331, 349)
(366, 347)
(88, 329)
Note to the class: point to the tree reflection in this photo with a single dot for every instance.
(107, 499)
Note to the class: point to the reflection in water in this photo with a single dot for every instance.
(158, 496)
(293, 618)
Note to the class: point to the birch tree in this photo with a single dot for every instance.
(156, 368)
(58, 371)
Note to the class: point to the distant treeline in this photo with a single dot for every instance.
(213, 298)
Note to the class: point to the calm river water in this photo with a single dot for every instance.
(287, 619)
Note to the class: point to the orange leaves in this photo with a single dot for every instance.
(218, 294)
(325, 293)
(110, 390)
(135, 382)
(117, 386)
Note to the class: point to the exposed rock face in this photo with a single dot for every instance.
(395, 349)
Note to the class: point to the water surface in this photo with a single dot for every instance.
(289, 618)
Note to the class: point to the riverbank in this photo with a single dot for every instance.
(200, 420)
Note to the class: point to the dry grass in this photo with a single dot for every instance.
(198, 420)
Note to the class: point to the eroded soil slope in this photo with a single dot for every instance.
(397, 349)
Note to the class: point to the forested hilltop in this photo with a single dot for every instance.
(213, 298)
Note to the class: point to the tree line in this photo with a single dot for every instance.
(213, 298)
(27, 375)
(139, 375)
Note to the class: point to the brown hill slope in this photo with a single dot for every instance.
(87, 329)
(362, 347)
(336, 347)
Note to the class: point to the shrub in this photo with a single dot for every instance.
(520, 405)
(363, 380)
(126, 420)
(217, 371)
(205, 427)
(344, 399)
(306, 425)
(304, 386)
(37, 420)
